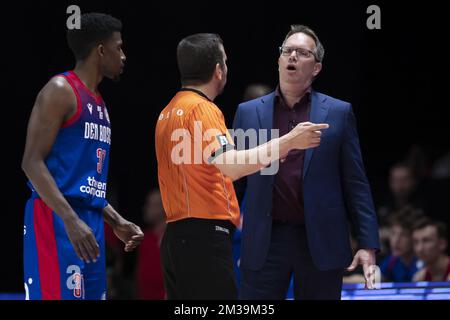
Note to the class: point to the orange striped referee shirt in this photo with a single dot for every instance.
(189, 130)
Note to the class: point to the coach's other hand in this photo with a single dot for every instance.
(366, 258)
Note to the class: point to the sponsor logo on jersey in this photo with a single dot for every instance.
(100, 112)
(94, 188)
(94, 131)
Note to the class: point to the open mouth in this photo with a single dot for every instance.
(291, 68)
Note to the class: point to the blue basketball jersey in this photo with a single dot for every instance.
(78, 160)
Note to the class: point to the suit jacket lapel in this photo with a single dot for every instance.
(265, 113)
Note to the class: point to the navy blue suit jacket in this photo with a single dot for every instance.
(335, 187)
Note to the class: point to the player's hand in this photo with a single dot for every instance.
(82, 239)
(129, 233)
(366, 258)
(306, 135)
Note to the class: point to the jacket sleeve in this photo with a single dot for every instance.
(356, 187)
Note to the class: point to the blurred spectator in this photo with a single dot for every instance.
(149, 276)
(430, 244)
(401, 264)
(256, 90)
(383, 231)
(385, 228)
(403, 192)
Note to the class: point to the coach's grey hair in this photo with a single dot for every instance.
(319, 51)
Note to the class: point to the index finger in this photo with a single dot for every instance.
(318, 126)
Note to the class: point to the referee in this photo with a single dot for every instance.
(196, 178)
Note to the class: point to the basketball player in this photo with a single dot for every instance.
(198, 196)
(66, 161)
(430, 245)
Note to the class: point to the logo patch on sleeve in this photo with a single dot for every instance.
(222, 140)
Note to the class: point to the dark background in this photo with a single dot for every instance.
(396, 78)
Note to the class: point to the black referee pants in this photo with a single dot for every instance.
(197, 260)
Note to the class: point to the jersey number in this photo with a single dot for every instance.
(101, 154)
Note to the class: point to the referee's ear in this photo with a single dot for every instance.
(218, 72)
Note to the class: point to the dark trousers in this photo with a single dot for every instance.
(197, 260)
(289, 255)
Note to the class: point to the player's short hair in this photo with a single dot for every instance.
(319, 51)
(95, 28)
(197, 56)
(405, 218)
(441, 228)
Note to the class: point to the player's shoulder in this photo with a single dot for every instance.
(58, 86)
(57, 95)
(201, 107)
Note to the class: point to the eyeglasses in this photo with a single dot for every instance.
(301, 52)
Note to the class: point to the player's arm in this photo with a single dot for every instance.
(127, 231)
(54, 105)
(237, 164)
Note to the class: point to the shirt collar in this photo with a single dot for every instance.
(280, 99)
(197, 92)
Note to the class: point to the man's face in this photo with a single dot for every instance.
(296, 68)
(113, 59)
(427, 245)
(401, 182)
(400, 241)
